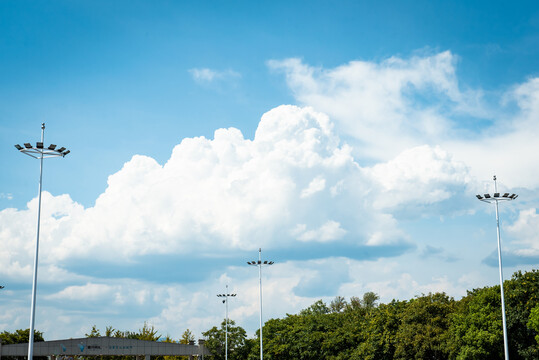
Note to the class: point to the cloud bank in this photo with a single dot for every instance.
(328, 187)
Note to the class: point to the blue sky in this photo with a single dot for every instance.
(347, 139)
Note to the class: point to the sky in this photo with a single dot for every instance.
(347, 139)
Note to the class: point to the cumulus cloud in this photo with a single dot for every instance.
(377, 103)
(397, 104)
(213, 195)
(293, 184)
(422, 177)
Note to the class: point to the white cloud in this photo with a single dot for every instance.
(88, 292)
(206, 75)
(211, 196)
(329, 231)
(525, 230)
(508, 148)
(392, 106)
(294, 182)
(316, 185)
(375, 102)
(422, 175)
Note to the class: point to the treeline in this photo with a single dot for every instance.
(432, 326)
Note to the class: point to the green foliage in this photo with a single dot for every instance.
(533, 322)
(317, 332)
(369, 300)
(422, 333)
(238, 347)
(148, 333)
(338, 304)
(432, 326)
(522, 295)
(94, 332)
(20, 336)
(187, 337)
(476, 327)
(109, 331)
(378, 335)
(318, 308)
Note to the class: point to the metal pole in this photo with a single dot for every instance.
(259, 263)
(226, 326)
(496, 197)
(260, 287)
(34, 282)
(505, 341)
(504, 321)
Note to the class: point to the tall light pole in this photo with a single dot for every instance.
(495, 198)
(259, 263)
(226, 295)
(38, 152)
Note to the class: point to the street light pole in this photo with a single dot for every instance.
(38, 152)
(226, 295)
(495, 198)
(259, 263)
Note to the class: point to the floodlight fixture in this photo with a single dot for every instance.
(226, 295)
(260, 263)
(37, 152)
(495, 198)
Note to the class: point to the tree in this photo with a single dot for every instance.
(148, 332)
(93, 333)
(237, 345)
(369, 300)
(338, 304)
(476, 326)
(522, 295)
(20, 336)
(187, 336)
(377, 338)
(109, 331)
(315, 333)
(318, 308)
(424, 328)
